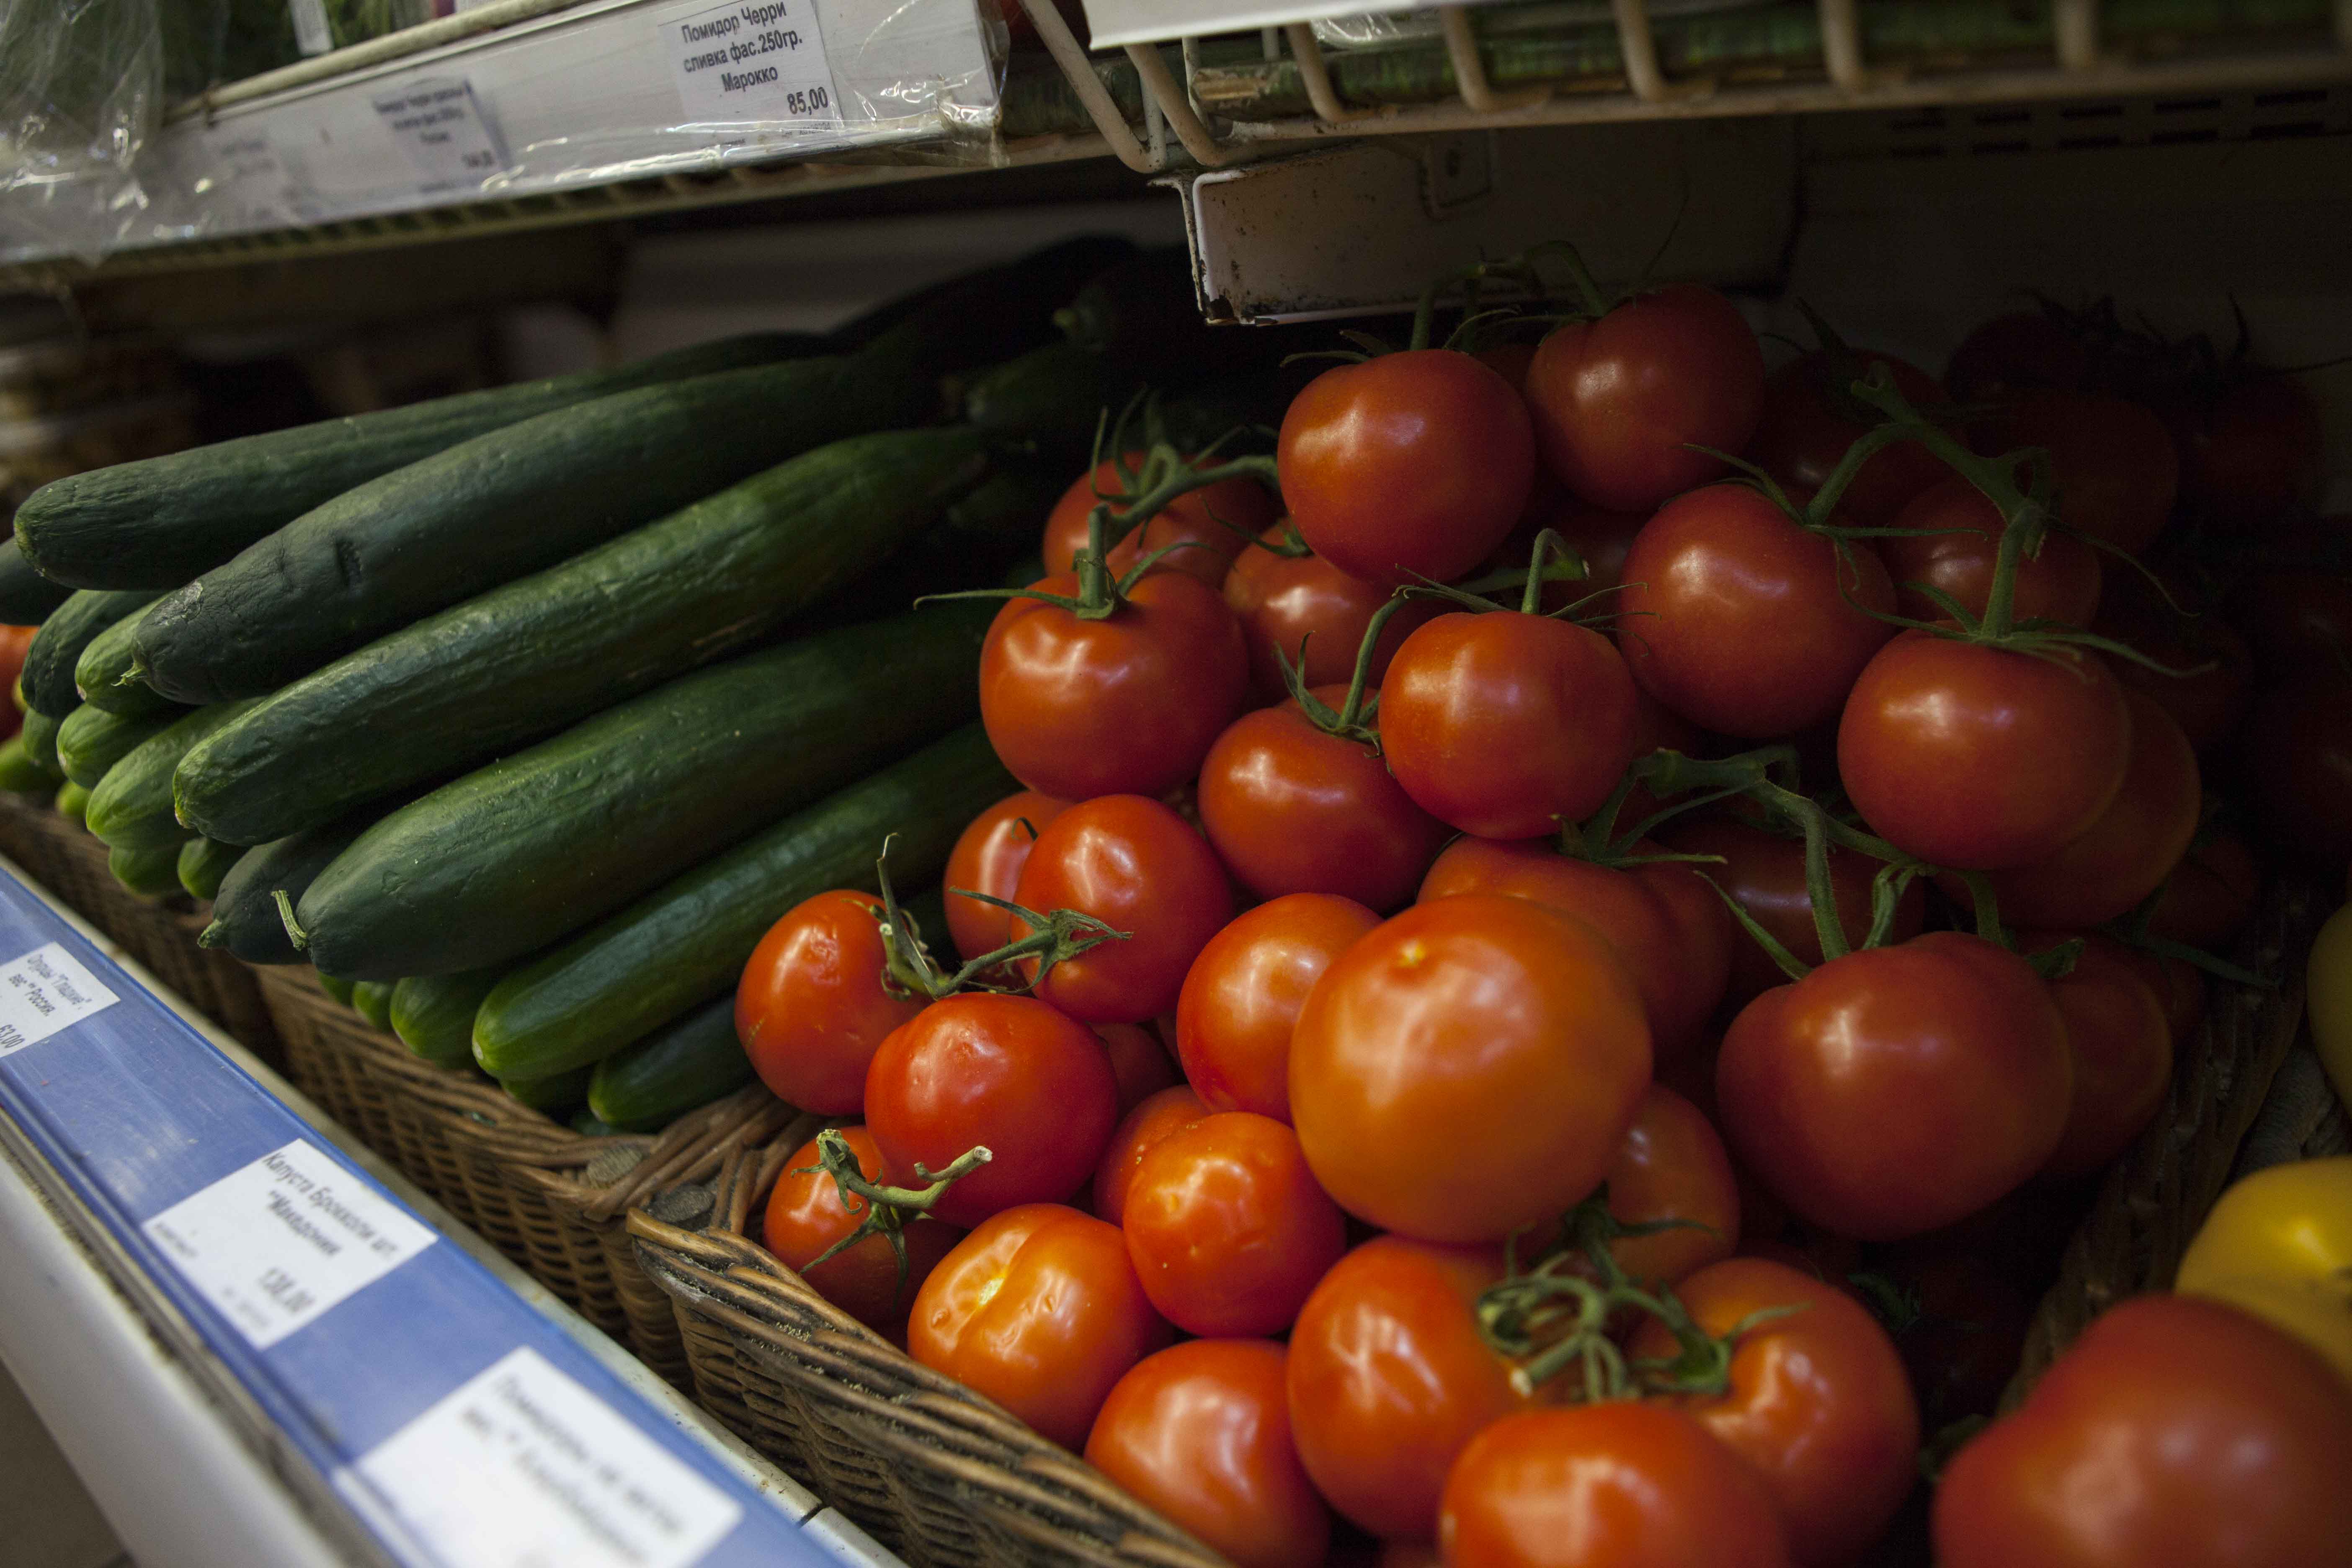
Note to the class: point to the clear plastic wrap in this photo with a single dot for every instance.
(82, 85)
(1386, 30)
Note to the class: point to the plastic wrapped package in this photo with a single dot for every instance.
(1378, 30)
(82, 85)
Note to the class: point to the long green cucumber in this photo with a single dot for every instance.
(39, 733)
(57, 646)
(371, 1000)
(494, 508)
(556, 1095)
(979, 318)
(523, 662)
(246, 919)
(433, 1014)
(90, 739)
(159, 522)
(103, 674)
(686, 942)
(27, 598)
(645, 1087)
(19, 773)
(152, 872)
(336, 987)
(73, 799)
(131, 807)
(204, 862)
(507, 859)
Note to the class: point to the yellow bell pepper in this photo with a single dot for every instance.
(2329, 1000)
(2279, 1245)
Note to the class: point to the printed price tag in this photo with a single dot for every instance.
(245, 185)
(754, 60)
(522, 1468)
(280, 1242)
(44, 992)
(440, 126)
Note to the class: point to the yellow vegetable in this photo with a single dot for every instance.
(2279, 1245)
(2330, 1000)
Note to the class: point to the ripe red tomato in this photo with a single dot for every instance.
(1140, 1065)
(1671, 1165)
(1408, 465)
(1619, 402)
(1137, 1133)
(1599, 536)
(1200, 1433)
(2061, 583)
(1468, 1067)
(1226, 1227)
(1742, 622)
(1039, 1309)
(1819, 1402)
(1504, 724)
(1621, 1485)
(2207, 703)
(2251, 452)
(2176, 1431)
(1136, 864)
(1214, 522)
(1897, 1090)
(2112, 461)
(1294, 809)
(804, 1217)
(2298, 754)
(816, 1003)
(1130, 703)
(2009, 353)
(2299, 624)
(1981, 758)
(1005, 1071)
(14, 643)
(1808, 425)
(1313, 613)
(2121, 1045)
(987, 859)
(1389, 1379)
(1243, 996)
(2210, 894)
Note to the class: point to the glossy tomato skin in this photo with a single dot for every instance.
(987, 859)
(2111, 460)
(2210, 894)
(1742, 622)
(1502, 723)
(1226, 1227)
(1407, 465)
(1979, 758)
(1140, 1065)
(1671, 1164)
(1006, 1071)
(1954, 553)
(1618, 401)
(1388, 1379)
(1819, 1401)
(2120, 1043)
(1242, 995)
(1200, 1433)
(1039, 1309)
(1137, 1133)
(1294, 809)
(2298, 747)
(1315, 614)
(1468, 1068)
(1137, 864)
(1621, 1485)
(1130, 703)
(1897, 1090)
(2209, 696)
(804, 1217)
(1804, 434)
(815, 1002)
(1213, 523)
(2176, 1432)
(2251, 452)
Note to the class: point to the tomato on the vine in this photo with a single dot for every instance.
(987, 859)
(817, 1001)
(2012, 352)
(1671, 1166)
(1808, 425)
(2208, 672)
(1955, 552)
(1212, 524)
(1226, 1227)
(1242, 995)
(2121, 1046)
(2251, 452)
(2112, 461)
(804, 1219)
(1312, 613)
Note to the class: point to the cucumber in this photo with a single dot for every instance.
(982, 317)
(338, 988)
(584, 1122)
(73, 799)
(507, 859)
(204, 862)
(159, 522)
(20, 774)
(57, 646)
(686, 942)
(246, 917)
(39, 733)
(557, 1095)
(131, 807)
(150, 873)
(371, 1000)
(645, 1087)
(433, 1014)
(1007, 510)
(103, 675)
(90, 739)
(441, 531)
(26, 598)
(523, 662)
(1053, 395)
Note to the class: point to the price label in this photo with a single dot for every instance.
(245, 185)
(279, 1242)
(439, 124)
(43, 992)
(751, 61)
(522, 1468)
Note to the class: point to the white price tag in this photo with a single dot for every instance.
(522, 1468)
(245, 185)
(42, 993)
(439, 125)
(280, 1242)
(753, 60)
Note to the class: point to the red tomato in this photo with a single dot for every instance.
(1620, 1485)
(1130, 703)
(1389, 1379)
(2209, 697)
(1213, 522)
(1599, 536)
(1226, 1227)
(2009, 353)
(1742, 622)
(2299, 624)
(1039, 1309)
(1671, 1166)
(1504, 724)
(1137, 864)
(1468, 1067)
(1313, 613)
(805, 1216)
(2061, 583)
(2210, 895)
(1137, 1133)
(1138, 1063)
(2252, 452)
(1981, 758)
(1897, 1088)
(2121, 1045)
(2177, 1431)
(988, 859)
(1818, 1402)
(1200, 1433)
(1244, 994)
(1666, 925)
(1294, 809)
(1808, 425)
(2114, 464)
(1619, 402)
(1005, 1071)
(2298, 754)
(1410, 465)
(816, 1003)
(15, 641)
